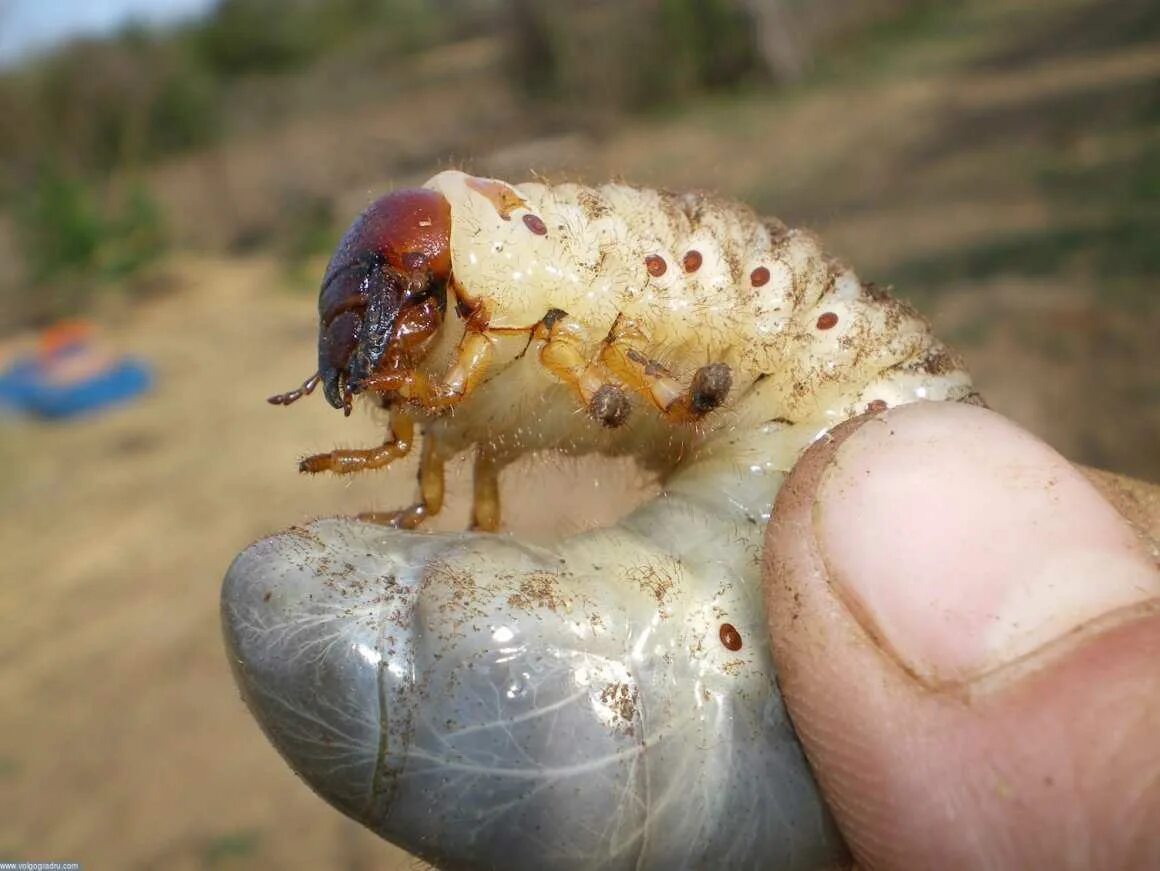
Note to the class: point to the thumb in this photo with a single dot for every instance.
(967, 637)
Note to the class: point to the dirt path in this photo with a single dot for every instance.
(126, 744)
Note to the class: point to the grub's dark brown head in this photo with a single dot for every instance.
(384, 292)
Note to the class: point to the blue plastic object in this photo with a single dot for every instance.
(24, 387)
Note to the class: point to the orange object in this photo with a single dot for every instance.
(63, 336)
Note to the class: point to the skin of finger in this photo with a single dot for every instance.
(1054, 761)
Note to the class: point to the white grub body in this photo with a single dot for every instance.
(804, 338)
(608, 700)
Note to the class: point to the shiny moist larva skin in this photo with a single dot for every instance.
(608, 700)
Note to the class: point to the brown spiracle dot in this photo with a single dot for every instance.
(655, 264)
(876, 405)
(692, 260)
(730, 637)
(759, 276)
(827, 320)
(536, 224)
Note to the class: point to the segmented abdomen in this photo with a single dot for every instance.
(700, 280)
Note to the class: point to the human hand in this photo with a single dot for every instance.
(967, 637)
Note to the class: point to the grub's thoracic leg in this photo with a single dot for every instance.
(678, 402)
(344, 462)
(472, 360)
(430, 491)
(485, 504)
(563, 354)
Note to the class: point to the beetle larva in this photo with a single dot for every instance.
(608, 701)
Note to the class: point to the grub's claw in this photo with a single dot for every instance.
(486, 704)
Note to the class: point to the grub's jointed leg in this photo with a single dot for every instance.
(472, 360)
(430, 491)
(346, 461)
(485, 504)
(679, 403)
(563, 355)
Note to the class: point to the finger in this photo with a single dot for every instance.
(967, 638)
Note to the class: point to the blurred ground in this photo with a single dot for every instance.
(999, 162)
